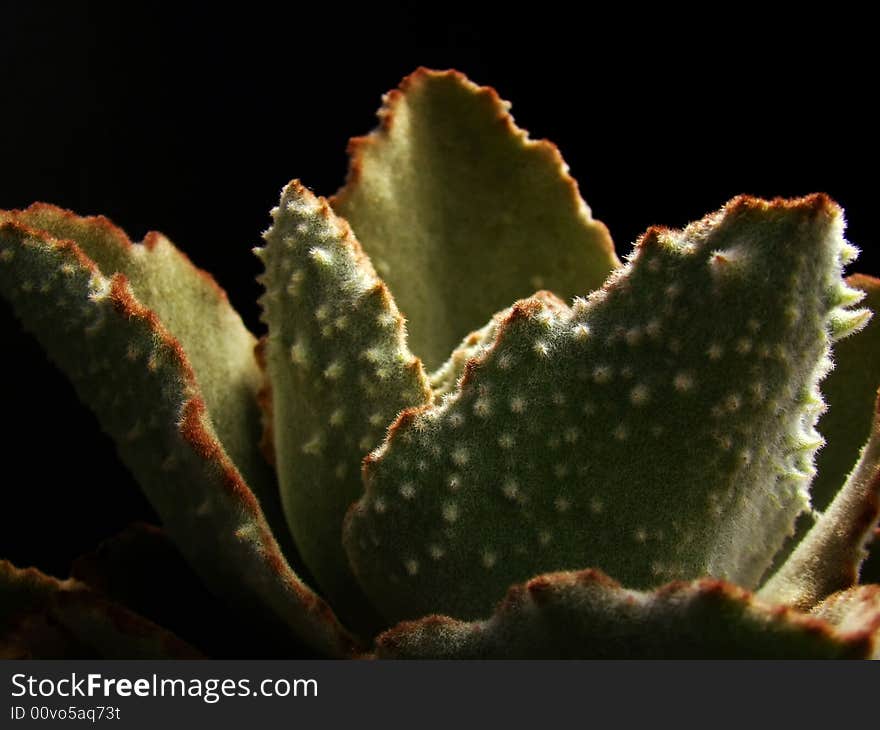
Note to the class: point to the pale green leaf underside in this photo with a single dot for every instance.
(340, 370)
(134, 375)
(585, 437)
(586, 615)
(44, 618)
(462, 214)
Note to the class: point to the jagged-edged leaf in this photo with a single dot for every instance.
(197, 313)
(462, 214)
(661, 429)
(44, 618)
(340, 370)
(586, 615)
(827, 559)
(849, 391)
(129, 369)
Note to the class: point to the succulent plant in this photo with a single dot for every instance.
(612, 461)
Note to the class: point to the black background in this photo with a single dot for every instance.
(190, 119)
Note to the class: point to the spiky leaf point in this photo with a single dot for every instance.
(661, 429)
(42, 618)
(462, 214)
(137, 379)
(196, 311)
(446, 378)
(340, 370)
(849, 390)
(586, 615)
(828, 557)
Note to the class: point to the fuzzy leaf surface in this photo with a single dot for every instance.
(855, 612)
(462, 214)
(586, 615)
(828, 558)
(661, 429)
(849, 390)
(129, 369)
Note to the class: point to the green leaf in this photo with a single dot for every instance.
(141, 568)
(340, 370)
(445, 379)
(44, 618)
(827, 559)
(196, 311)
(462, 214)
(855, 613)
(661, 429)
(586, 615)
(849, 390)
(136, 377)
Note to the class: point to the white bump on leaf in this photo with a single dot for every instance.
(683, 382)
(639, 395)
(407, 490)
(541, 348)
(321, 256)
(482, 407)
(510, 489)
(602, 374)
(333, 370)
(581, 332)
(460, 455)
(450, 512)
(299, 353)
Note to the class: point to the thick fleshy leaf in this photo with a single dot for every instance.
(462, 214)
(141, 568)
(197, 313)
(135, 376)
(586, 615)
(45, 618)
(447, 378)
(340, 370)
(849, 391)
(856, 613)
(827, 559)
(661, 429)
